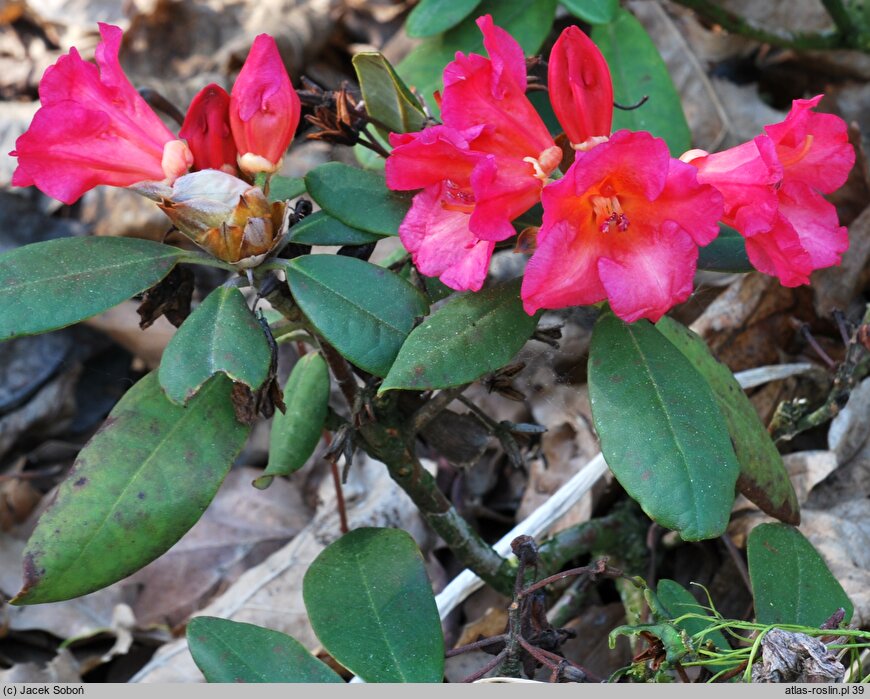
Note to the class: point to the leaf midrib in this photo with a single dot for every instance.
(677, 442)
(367, 587)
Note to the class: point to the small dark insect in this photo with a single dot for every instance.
(501, 381)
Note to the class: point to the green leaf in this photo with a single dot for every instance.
(469, 336)
(592, 11)
(528, 22)
(727, 253)
(638, 71)
(432, 17)
(363, 310)
(387, 97)
(221, 335)
(661, 430)
(230, 651)
(45, 286)
(371, 605)
(358, 198)
(142, 481)
(678, 601)
(296, 432)
(284, 188)
(322, 229)
(763, 477)
(790, 581)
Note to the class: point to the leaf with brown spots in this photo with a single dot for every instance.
(135, 489)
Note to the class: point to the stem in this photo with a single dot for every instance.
(342, 372)
(385, 443)
(434, 406)
(738, 25)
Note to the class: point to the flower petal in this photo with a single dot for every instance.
(491, 91)
(745, 176)
(779, 253)
(503, 189)
(563, 269)
(649, 273)
(813, 148)
(815, 221)
(693, 207)
(426, 158)
(441, 243)
(70, 149)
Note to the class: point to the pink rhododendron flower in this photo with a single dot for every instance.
(773, 190)
(264, 108)
(484, 167)
(624, 225)
(94, 128)
(206, 129)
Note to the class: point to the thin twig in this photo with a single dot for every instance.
(482, 643)
(600, 568)
(739, 563)
(486, 668)
(433, 407)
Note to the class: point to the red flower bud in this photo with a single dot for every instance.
(264, 108)
(207, 130)
(581, 91)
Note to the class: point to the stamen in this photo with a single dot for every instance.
(539, 171)
(590, 143)
(795, 157)
(609, 214)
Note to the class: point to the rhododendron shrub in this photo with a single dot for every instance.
(462, 174)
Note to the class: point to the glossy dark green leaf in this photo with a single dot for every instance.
(142, 481)
(296, 432)
(322, 229)
(592, 11)
(471, 335)
(284, 188)
(371, 606)
(528, 22)
(763, 478)
(638, 71)
(678, 601)
(388, 100)
(221, 335)
(790, 581)
(432, 17)
(661, 430)
(727, 253)
(358, 198)
(363, 310)
(45, 286)
(231, 651)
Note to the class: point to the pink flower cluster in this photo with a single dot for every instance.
(94, 128)
(625, 220)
